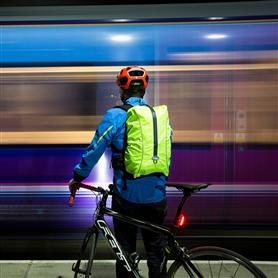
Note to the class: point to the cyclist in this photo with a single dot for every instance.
(144, 197)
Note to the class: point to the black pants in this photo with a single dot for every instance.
(126, 234)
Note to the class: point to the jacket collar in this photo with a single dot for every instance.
(135, 101)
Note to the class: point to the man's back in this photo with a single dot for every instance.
(111, 130)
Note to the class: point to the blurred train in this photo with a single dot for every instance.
(219, 80)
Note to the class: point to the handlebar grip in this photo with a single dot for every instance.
(71, 200)
(72, 196)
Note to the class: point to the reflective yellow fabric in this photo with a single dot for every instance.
(140, 141)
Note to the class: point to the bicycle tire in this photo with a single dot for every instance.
(92, 254)
(205, 260)
(86, 270)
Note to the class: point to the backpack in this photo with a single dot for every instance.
(147, 147)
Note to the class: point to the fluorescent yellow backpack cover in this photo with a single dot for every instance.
(148, 142)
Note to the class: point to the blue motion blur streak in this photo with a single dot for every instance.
(140, 43)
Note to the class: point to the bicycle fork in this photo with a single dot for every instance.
(92, 235)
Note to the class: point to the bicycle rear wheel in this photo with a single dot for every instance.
(213, 262)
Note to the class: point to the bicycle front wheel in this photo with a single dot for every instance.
(84, 267)
(213, 262)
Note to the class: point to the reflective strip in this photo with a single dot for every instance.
(155, 139)
(104, 133)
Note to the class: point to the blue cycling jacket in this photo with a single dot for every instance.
(111, 131)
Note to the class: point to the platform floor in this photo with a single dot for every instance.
(102, 268)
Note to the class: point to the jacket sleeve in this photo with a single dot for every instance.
(102, 139)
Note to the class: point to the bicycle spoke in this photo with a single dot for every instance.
(236, 270)
(198, 267)
(210, 269)
(220, 269)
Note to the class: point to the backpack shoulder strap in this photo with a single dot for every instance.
(124, 107)
(118, 163)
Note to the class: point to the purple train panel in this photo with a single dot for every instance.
(218, 164)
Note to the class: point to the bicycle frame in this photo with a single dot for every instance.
(100, 226)
(120, 255)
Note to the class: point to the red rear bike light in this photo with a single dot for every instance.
(181, 221)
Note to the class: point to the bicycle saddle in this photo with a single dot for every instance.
(188, 188)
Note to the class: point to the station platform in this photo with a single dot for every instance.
(102, 269)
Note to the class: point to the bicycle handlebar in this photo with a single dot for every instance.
(76, 186)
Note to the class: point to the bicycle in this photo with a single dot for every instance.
(205, 261)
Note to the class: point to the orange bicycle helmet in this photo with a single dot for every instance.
(132, 75)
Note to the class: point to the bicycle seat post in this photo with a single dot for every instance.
(185, 196)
